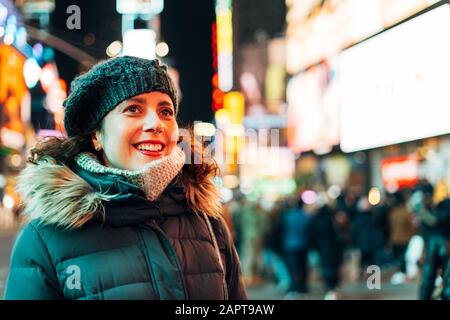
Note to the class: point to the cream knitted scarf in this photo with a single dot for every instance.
(153, 178)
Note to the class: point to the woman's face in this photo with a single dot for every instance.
(138, 130)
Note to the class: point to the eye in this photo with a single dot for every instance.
(167, 112)
(132, 109)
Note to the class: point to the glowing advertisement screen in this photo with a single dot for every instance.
(394, 87)
(313, 121)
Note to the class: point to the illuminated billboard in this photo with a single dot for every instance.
(317, 30)
(400, 172)
(313, 109)
(394, 86)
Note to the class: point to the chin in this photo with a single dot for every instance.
(142, 162)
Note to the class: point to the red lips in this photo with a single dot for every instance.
(148, 152)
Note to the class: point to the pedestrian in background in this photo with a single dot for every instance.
(274, 266)
(296, 242)
(437, 254)
(254, 226)
(328, 242)
(401, 229)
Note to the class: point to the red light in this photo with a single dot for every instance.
(215, 80)
(216, 106)
(218, 96)
(63, 85)
(214, 45)
(401, 171)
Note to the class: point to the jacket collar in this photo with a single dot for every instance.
(129, 205)
(55, 194)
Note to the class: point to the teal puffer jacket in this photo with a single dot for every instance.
(136, 250)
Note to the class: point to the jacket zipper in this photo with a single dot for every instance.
(219, 256)
(153, 225)
(147, 259)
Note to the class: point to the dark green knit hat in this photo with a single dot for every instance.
(95, 93)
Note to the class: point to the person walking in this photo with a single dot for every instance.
(401, 230)
(296, 238)
(437, 254)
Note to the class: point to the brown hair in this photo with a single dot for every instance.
(63, 150)
(197, 179)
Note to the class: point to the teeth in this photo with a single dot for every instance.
(150, 147)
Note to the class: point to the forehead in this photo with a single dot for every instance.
(149, 97)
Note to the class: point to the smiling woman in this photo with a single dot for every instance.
(117, 201)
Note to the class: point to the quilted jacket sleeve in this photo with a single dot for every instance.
(235, 285)
(32, 275)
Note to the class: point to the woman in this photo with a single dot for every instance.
(116, 211)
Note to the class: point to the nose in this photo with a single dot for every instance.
(152, 122)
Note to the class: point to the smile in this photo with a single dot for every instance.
(149, 148)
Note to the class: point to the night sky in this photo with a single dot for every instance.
(185, 26)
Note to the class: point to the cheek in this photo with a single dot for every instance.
(173, 135)
(119, 137)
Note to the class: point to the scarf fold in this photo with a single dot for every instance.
(153, 178)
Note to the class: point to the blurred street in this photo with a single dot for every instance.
(7, 237)
(346, 292)
(327, 123)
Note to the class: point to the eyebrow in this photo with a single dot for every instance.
(165, 103)
(162, 103)
(140, 100)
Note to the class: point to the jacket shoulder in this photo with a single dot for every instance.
(32, 274)
(29, 243)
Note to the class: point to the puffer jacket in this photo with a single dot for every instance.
(136, 250)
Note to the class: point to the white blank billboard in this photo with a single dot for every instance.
(395, 86)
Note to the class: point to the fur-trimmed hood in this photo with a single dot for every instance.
(55, 194)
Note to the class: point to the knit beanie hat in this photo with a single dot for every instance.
(95, 93)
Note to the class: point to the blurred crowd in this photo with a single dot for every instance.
(407, 235)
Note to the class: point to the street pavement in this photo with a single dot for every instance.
(347, 291)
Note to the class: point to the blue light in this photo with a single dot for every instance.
(49, 54)
(3, 14)
(21, 37)
(38, 50)
(31, 72)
